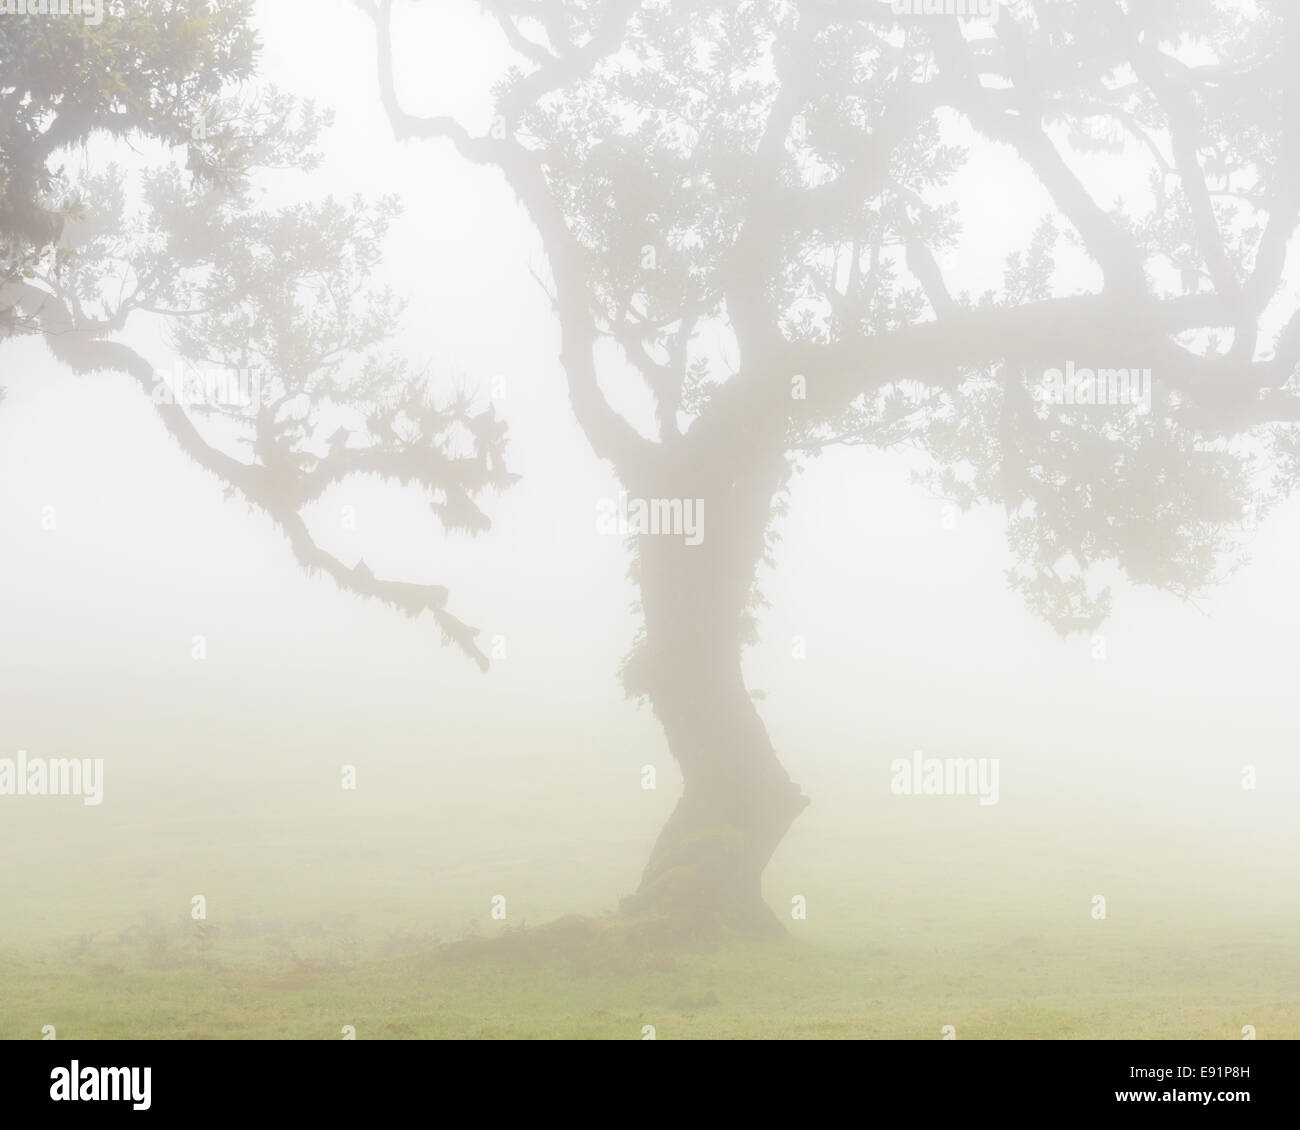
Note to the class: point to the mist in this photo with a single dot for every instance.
(320, 807)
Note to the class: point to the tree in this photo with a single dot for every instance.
(775, 170)
(151, 73)
(280, 296)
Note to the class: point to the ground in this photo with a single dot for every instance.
(316, 921)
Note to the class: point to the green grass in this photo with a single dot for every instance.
(316, 922)
(795, 989)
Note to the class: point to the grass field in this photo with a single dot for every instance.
(320, 916)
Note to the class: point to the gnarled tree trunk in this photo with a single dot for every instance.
(705, 871)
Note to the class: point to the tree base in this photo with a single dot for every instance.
(627, 942)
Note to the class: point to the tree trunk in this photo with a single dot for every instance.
(738, 803)
(705, 872)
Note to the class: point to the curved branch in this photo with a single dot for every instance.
(84, 353)
(611, 436)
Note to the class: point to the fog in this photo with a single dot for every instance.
(889, 628)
